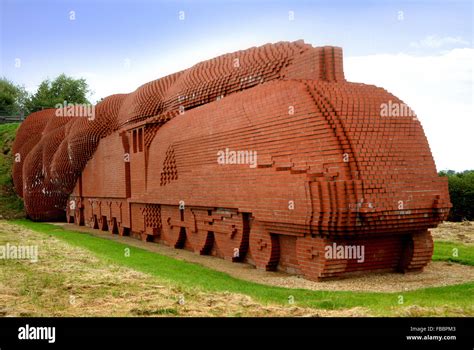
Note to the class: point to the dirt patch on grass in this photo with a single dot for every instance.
(462, 232)
(70, 281)
(436, 274)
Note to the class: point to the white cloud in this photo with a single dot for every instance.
(439, 88)
(435, 42)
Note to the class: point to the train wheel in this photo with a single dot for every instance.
(417, 252)
(112, 226)
(103, 224)
(70, 215)
(79, 217)
(310, 254)
(93, 222)
(232, 239)
(173, 235)
(201, 241)
(264, 247)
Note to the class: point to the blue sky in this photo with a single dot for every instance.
(419, 50)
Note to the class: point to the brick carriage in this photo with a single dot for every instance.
(329, 168)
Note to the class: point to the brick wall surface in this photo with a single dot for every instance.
(330, 169)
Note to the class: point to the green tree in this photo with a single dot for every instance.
(461, 191)
(61, 89)
(14, 99)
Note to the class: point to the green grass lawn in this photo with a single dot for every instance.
(454, 252)
(188, 275)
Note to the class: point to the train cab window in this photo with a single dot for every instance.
(134, 137)
(140, 140)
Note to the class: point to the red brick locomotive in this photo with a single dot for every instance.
(266, 156)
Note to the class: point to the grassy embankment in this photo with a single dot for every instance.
(188, 276)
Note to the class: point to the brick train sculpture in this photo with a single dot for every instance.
(266, 156)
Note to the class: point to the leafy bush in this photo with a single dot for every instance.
(461, 190)
(11, 206)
